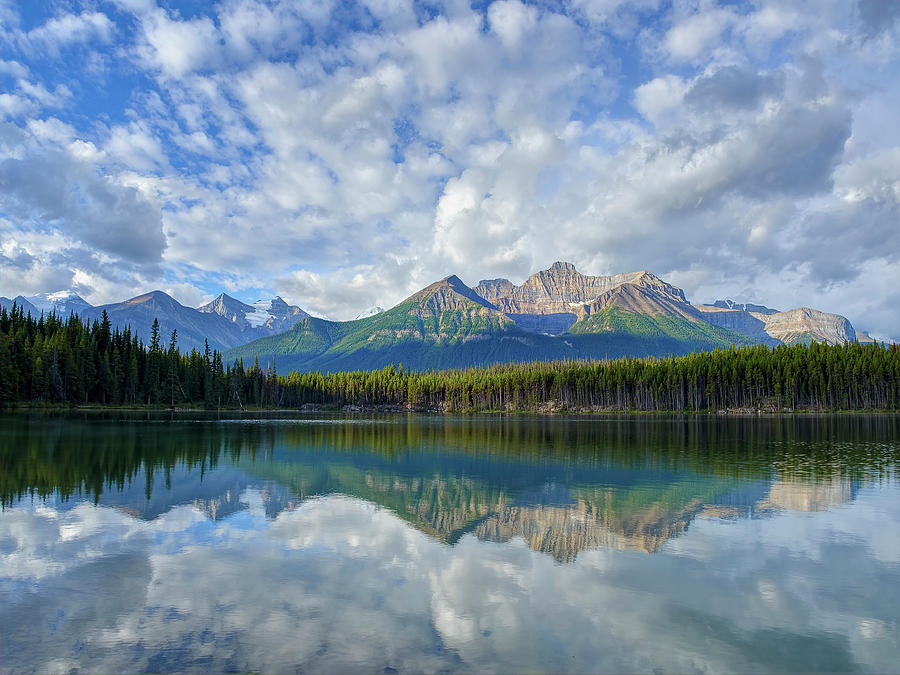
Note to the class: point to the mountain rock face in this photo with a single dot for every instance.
(644, 298)
(551, 300)
(450, 294)
(770, 326)
(806, 325)
(263, 317)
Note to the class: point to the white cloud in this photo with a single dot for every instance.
(659, 96)
(178, 47)
(68, 29)
(13, 68)
(696, 34)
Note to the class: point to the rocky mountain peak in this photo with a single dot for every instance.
(448, 294)
(560, 266)
(223, 305)
(562, 289)
(153, 297)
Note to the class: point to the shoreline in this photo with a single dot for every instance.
(551, 409)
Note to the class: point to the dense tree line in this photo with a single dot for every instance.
(50, 360)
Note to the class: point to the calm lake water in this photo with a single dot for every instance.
(425, 544)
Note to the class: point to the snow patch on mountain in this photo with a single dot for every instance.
(260, 314)
(372, 311)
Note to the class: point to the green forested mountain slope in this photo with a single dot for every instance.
(447, 325)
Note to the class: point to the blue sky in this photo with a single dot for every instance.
(344, 155)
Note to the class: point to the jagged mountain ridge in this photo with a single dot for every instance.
(551, 300)
(194, 327)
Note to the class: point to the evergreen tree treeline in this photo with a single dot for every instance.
(69, 361)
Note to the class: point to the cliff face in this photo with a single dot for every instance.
(806, 324)
(557, 290)
(648, 295)
(739, 321)
(773, 327)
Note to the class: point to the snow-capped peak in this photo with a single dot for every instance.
(63, 302)
(372, 311)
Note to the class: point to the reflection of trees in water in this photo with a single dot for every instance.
(621, 482)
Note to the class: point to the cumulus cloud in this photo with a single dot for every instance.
(696, 34)
(54, 189)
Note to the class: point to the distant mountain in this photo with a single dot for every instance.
(263, 317)
(808, 325)
(193, 327)
(562, 300)
(22, 302)
(225, 322)
(63, 303)
(744, 307)
(557, 313)
(773, 327)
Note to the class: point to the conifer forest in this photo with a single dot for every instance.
(49, 361)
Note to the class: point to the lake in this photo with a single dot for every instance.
(314, 543)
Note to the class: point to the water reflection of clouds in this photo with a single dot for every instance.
(341, 584)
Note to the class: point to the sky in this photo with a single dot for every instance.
(344, 155)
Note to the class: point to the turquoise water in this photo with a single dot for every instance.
(136, 543)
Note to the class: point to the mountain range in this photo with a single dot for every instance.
(225, 322)
(557, 313)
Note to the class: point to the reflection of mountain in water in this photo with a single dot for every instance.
(800, 496)
(563, 486)
(563, 532)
